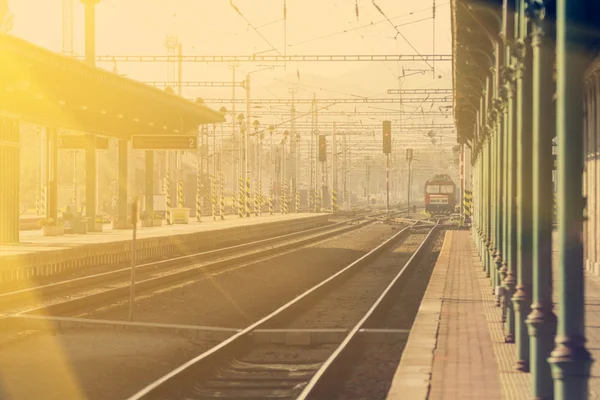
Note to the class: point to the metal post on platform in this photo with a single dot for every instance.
(570, 360)
(134, 214)
(510, 280)
(542, 321)
(499, 163)
(522, 297)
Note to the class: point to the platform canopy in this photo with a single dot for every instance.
(475, 27)
(46, 88)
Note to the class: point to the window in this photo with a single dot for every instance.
(432, 189)
(447, 189)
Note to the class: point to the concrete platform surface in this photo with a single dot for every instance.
(33, 241)
(39, 255)
(456, 348)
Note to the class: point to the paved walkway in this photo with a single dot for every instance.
(456, 347)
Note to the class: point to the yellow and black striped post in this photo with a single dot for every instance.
(334, 201)
(248, 197)
(38, 200)
(271, 196)
(468, 206)
(167, 189)
(256, 204)
(297, 201)
(242, 202)
(198, 201)
(214, 198)
(261, 200)
(180, 194)
(222, 198)
(284, 197)
(74, 199)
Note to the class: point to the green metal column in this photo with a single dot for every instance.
(9, 180)
(522, 297)
(570, 361)
(499, 118)
(510, 280)
(541, 321)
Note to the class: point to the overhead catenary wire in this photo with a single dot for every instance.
(369, 25)
(400, 33)
(252, 26)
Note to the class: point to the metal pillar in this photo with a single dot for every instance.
(500, 169)
(522, 297)
(90, 31)
(246, 145)
(90, 184)
(541, 321)
(149, 192)
(9, 180)
(570, 361)
(52, 174)
(511, 145)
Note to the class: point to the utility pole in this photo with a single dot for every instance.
(334, 185)
(246, 144)
(235, 173)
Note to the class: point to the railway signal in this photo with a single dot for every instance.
(322, 148)
(387, 137)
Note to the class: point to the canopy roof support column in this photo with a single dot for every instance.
(9, 180)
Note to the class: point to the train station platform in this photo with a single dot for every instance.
(456, 347)
(38, 255)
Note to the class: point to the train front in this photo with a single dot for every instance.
(440, 197)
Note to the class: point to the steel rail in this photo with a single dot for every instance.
(156, 389)
(352, 334)
(205, 255)
(184, 273)
(140, 267)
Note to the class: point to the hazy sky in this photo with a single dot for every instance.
(213, 27)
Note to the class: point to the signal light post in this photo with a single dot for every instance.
(387, 149)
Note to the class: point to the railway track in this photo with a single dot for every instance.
(82, 293)
(240, 368)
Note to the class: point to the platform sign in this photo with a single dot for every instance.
(182, 142)
(81, 142)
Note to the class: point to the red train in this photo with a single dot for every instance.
(440, 195)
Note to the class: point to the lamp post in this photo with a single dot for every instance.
(271, 129)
